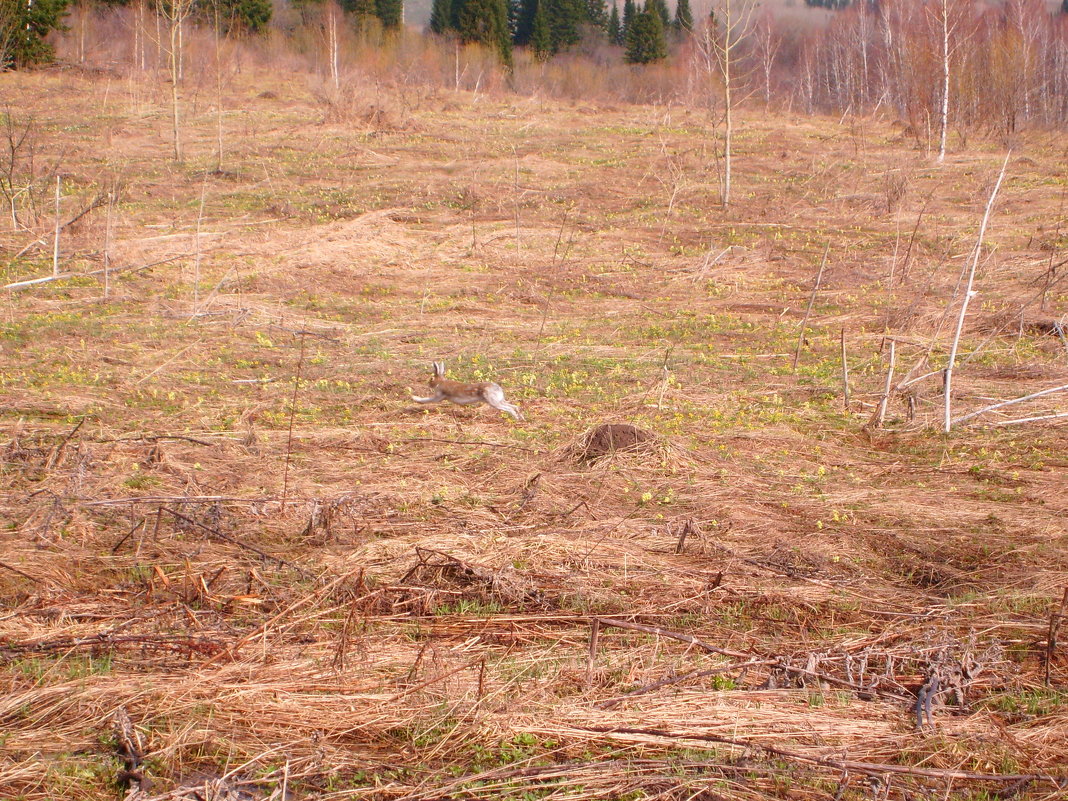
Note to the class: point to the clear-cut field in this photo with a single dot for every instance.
(225, 516)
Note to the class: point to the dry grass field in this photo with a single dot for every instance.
(225, 521)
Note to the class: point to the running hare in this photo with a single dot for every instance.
(464, 393)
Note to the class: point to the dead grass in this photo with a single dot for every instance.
(313, 583)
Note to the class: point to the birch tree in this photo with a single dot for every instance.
(176, 13)
(718, 46)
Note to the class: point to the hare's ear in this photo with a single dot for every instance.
(439, 369)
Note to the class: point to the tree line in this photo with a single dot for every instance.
(941, 66)
(25, 24)
(547, 27)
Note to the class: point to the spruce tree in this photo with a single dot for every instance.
(540, 39)
(23, 28)
(236, 16)
(630, 11)
(362, 10)
(390, 12)
(564, 18)
(514, 9)
(683, 17)
(524, 22)
(597, 14)
(615, 30)
(660, 6)
(486, 22)
(441, 16)
(645, 38)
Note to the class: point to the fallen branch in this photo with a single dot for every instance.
(1002, 404)
(674, 635)
(16, 571)
(58, 452)
(110, 270)
(157, 438)
(860, 690)
(233, 541)
(693, 674)
(154, 499)
(471, 442)
(1019, 420)
(163, 643)
(96, 203)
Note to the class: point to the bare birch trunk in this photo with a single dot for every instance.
(335, 72)
(968, 294)
(944, 117)
(55, 242)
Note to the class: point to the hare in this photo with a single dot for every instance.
(465, 393)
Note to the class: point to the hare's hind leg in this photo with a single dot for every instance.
(511, 409)
(493, 395)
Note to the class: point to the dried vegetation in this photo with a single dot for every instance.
(238, 562)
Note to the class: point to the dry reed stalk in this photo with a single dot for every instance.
(808, 309)
(292, 417)
(107, 245)
(845, 374)
(196, 248)
(55, 238)
(1055, 621)
(880, 411)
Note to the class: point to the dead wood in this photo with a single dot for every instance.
(868, 768)
(234, 541)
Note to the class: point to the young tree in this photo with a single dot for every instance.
(23, 28)
(683, 17)
(645, 38)
(767, 42)
(176, 12)
(615, 29)
(540, 38)
(719, 43)
(943, 117)
(630, 11)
